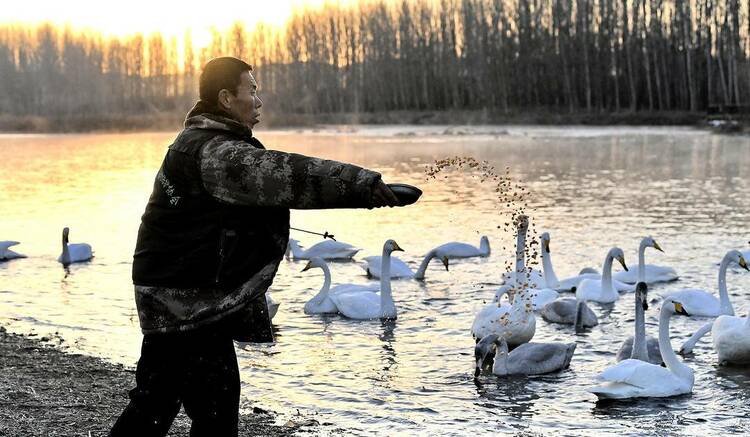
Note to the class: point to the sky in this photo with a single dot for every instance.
(170, 17)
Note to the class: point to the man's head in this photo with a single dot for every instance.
(228, 84)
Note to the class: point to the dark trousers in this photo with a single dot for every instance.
(197, 369)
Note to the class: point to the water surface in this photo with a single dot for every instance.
(593, 188)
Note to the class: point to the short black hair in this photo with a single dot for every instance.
(221, 73)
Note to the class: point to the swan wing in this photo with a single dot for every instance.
(542, 297)
(697, 302)
(457, 250)
(569, 284)
(653, 274)
(544, 357)
(361, 305)
(637, 373)
(80, 252)
(560, 311)
(353, 288)
(329, 249)
(4, 245)
(731, 339)
(399, 269)
(489, 320)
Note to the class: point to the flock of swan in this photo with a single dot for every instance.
(503, 328)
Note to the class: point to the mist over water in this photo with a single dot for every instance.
(591, 188)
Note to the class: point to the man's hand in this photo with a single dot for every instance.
(383, 196)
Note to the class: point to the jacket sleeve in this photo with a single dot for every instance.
(238, 173)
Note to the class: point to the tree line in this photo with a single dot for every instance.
(572, 55)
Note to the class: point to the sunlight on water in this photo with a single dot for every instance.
(591, 189)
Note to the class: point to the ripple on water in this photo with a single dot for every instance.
(592, 189)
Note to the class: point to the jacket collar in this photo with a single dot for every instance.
(204, 117)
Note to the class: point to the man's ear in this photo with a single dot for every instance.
(224, 100)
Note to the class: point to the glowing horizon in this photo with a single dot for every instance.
(167, 18)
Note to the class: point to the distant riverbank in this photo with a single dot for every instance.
(44, 391)
(173, 121)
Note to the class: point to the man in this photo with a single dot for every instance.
(210, 242)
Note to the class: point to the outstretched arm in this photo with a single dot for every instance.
(237, 173)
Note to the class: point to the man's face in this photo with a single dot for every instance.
(245, 106)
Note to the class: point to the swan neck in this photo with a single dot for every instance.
(520, 252)
(550, 278)
(607, 274)
(642, 262)
(65, 251)
(484, 247)
(387, 306)
(665, 345)
(640, 351)
(578, 321)
(323, 293)
(422, 267)
(724, 303)
(297, 251)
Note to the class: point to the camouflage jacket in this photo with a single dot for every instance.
(236, 170)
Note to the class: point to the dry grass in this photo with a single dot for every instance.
(46, 392)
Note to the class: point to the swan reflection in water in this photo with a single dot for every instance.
(513, 396)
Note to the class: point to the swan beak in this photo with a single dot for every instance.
(645, 305)
(679, 309)
(445, 262)
(397, 247)
(622, 261)
(743, 263)
(307, 267)
(545, 243)
(657, 247)
(476, 370)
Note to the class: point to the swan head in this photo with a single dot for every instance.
(544, 238)
(673, 307)
(484, 352)
(444, 259)
(736, 256)
(641, 294)
(619, 255)
(650, 242)
(65, 233)
(315, 262)
(391, 246)
(522, 222)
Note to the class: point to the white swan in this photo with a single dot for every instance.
(273, 306)
(400, 269)
(732, 339)
(637, 379)
(602, 291)
(526, 359)
(640, 347)
(515, 322)
(455, 250)
(326, 249)
(367, 304)
(73, 252)
(321, 303)
(7, 254)
(569, 311)
(652, 273)
(700, 302)
(550, 279)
